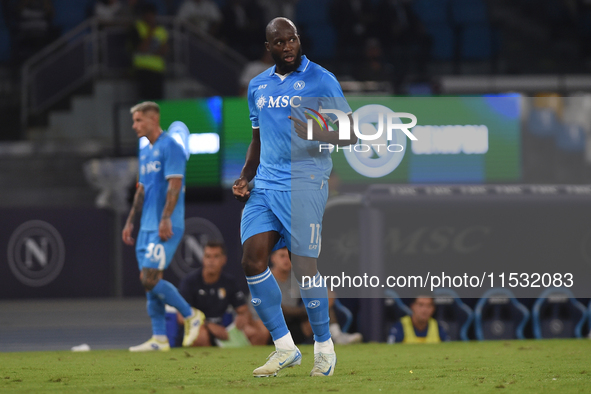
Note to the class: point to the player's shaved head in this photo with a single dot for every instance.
(284, 44)
(277, 25)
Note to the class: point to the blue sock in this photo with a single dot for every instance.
(266, 298)
(315, 298)
(171, 296)
(157, 313)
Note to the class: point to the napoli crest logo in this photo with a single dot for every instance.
(256, 301)
(299, 85)
(313, 304)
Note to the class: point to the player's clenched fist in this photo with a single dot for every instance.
(126, 234)
(240, 189)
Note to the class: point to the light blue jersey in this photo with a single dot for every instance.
(288, 162)
(159, 162)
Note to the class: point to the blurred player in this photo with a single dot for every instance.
(281, 183)
(211, 290)
(160, 197)
(420, 327)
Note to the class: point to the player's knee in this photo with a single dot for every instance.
(253, 266)
(150, 280)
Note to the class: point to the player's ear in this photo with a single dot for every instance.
(267, 46)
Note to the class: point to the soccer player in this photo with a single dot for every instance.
(286, 206)
(160, 198)
(211, 291)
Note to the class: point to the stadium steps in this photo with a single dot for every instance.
(52, 175)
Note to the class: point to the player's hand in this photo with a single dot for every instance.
(165, 229)
(126, 234)
(241, 321)
(318, 133)
(240, 190)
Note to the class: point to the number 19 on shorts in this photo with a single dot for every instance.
(314, 236)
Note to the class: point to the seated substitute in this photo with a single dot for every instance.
(211, 291)
(420, 327)
(295, 313)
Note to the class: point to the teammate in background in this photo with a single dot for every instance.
(160, 198)
(211, 291)
(295, 313)
(420, 327)
(267, 220)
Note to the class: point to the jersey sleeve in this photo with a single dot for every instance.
(174, 161)
(332, 95)
(237, 298)
(254, 111)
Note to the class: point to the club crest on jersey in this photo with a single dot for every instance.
(299, 85)
(261, 101)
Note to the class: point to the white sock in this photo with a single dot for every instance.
(326, 347)
(285, 342)
(160, 338)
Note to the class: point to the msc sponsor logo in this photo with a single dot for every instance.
(278, 101)
(153, 166)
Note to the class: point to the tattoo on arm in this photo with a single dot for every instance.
(138, 204)
(172, 196)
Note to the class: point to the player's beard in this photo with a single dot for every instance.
(287, 68)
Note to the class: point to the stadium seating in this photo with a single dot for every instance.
(498, 315)
(443, 48)
(542, 122)
(344, 315)
(4, 45)
(453, 315)
(432, 11)
(476, 41)
(70, 13)
(468, 11)
(395, 307)
(570, 138)
(557, 314)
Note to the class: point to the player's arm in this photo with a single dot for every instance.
(321, 133)
(136, 209)
(253, 158)
(175, 184)
(216, 330)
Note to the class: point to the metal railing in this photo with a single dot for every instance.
(93, 50)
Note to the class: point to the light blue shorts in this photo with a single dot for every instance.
(153, 252)
(295, 215)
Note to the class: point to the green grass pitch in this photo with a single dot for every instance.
(560, 366)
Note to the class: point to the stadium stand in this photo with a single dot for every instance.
(558, 314)
(453, 314)
(498, 315)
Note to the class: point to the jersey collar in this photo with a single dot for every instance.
(303, 66)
